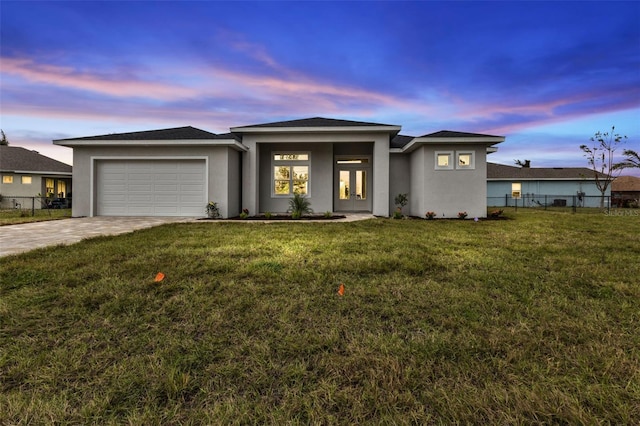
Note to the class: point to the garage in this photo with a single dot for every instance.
(175, 187)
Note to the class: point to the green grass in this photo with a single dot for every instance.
(531, 320)
(17, 216)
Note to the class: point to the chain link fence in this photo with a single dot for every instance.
(31, 206)
(552, 202)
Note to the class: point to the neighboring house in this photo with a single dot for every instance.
(535, 186)
(625, 191)
(27, 173)
(340, 165)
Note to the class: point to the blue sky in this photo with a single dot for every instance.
(547, 75)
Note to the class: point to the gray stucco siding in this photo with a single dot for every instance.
(221, 161)
(399, 179)
(448, 192)
(320, 176)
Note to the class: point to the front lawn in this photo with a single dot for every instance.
(529, 320)
(17, 216)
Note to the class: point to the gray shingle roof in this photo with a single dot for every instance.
(14, 158)
(501, 171)
(453, 134)
(400, 141)
(318, 122)
(177, 133)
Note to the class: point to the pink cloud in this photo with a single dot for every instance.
(30, 71)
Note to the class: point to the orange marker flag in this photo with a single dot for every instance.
(341, 290)
(159, 277)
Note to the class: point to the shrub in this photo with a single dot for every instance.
(298, 206)
(401, 200)
(462, 215)
(430, 215)
(213, 210)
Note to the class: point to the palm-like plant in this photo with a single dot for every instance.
(298, 206)
(631, 162)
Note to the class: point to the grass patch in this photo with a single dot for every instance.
(532, 320)
(17, 216)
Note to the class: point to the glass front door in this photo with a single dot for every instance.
(353, 185)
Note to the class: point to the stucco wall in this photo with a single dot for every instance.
(17, 188)
(320, 177)
(447, 192)
(219, 184)
(399, 178)
(256, 190)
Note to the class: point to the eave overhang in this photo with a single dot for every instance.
(484, 140)
(229, 143)
(320, 129)
(37, 172)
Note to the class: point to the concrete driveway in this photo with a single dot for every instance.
(28, 236)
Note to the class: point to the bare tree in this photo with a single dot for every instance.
(4, 140)
(600, 158)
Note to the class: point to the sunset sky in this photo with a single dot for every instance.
(547, 75)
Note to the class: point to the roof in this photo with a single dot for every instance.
(626, 184)
(453, 134)
(177, 133)
(501, 171)
(17, 159)
(399, 141)
(318, 122)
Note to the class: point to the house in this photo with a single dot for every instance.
(27, 173)
(625, 191)
(536, 186)
(340, 165)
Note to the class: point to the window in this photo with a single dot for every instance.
(26, 180)
(465, 160)
(48, 185)
(62, 188)
(290, 173)
(444, 160)
(516, 190)
(7, 179)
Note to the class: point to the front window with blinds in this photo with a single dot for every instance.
(290, 173)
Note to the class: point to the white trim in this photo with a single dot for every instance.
(452, 158)
(92, 164)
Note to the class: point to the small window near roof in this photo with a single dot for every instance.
(26, 180)
(7, 179)
(444, 160)
(465, 160)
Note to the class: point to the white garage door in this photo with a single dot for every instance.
(150, 188)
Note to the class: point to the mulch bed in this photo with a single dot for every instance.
(284, 217)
